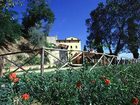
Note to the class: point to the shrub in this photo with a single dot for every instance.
(35, 61)
(115, 85)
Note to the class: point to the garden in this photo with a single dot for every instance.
(114, 85)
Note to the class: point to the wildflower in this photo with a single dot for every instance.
(12, 76)
(135, 101)
(25, 96)
(16, 80)
(107, 81)
(78, 84)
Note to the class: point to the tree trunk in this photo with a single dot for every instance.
(132, 37)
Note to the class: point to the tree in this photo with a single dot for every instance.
(94, 24)
(37, 12)
(131, 16)
(10, 30)
(112, 23)
(133, 27)
(37, 36)
(85, 48)
(132, 38)
(106, 29)
(9, 3)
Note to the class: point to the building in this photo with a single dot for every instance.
(74, 44)
(51, 39)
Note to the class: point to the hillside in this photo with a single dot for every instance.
(20, 45)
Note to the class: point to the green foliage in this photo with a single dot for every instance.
(9, 3)
(35, 61)
(37, 12)
(36, 36)
(133, 43)
(80, 87)
(85, 48)
(9, 28)
(115, 25)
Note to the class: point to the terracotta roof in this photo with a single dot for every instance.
(63, 46)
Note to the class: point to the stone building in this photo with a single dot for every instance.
(72, 44)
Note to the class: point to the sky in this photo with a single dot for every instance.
(70, 16)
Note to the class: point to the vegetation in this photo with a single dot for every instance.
(10, 30)
(115, 25)
(9, 3)
(37, 12)
(36, 36)
(115, 85)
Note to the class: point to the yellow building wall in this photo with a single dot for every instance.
(72, 43)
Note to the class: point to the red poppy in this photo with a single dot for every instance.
(135, 101)
(107, 81)
(78, 84)
(16, 80)
(12, 76)
(25, 96)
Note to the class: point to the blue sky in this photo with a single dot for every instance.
(70, 17)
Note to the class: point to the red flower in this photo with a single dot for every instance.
(78, 84)
(16, 80)
(25, 96)
(107, 81)
(12, 76)
(135, 101)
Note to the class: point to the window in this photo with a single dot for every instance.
(76, 47)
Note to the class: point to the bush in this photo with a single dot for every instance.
(115, 85)
(35, 61)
